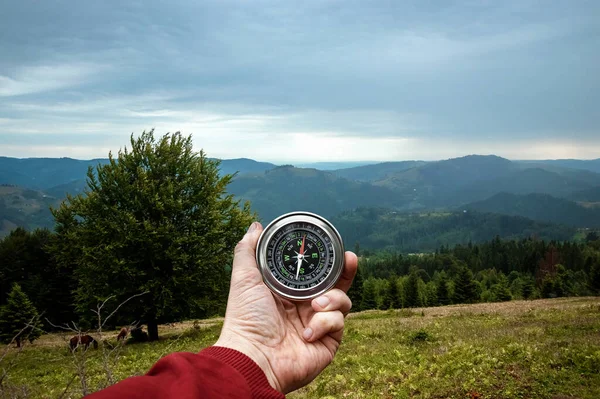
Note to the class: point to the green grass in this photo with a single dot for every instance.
(519, 349)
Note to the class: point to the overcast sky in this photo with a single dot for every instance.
(322, 81)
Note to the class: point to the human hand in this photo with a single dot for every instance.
(292, 342)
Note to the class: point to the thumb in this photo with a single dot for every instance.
(244, 256)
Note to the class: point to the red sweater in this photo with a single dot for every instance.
(216, 372)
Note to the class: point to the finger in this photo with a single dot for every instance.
(335, 299)
(244, 256)
(350, 268)
(324, 323)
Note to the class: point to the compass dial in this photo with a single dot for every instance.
(300, 255)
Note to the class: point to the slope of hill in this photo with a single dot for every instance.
(457, 181)
(526, 181)
(377, 228)
(592, 165)
(20, 207)
(286, 188)
(588, 195)
(47, 173)
(379, 171)
(540, 207)
(244, 165)
(43, 173)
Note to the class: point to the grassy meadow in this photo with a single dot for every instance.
(521, 349)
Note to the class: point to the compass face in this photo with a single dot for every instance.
(300, 255)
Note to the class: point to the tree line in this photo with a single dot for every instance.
(493, 271)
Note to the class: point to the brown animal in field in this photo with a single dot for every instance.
(84, 340)
(123, 334)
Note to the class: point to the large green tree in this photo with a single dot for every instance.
(156, 219)
(19, 319)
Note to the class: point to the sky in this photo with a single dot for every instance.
(291, 82)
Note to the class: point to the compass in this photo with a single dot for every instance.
(300, 256)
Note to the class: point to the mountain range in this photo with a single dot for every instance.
(565, 192)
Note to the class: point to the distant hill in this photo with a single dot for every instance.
(43, 173)
(20, 207)
(47, 173)
(450, 173)
(407, 186)
(244, 165)
(587, 195)
(526, 181)
(424, 232)
(330, 166)
(540, 207)
(375, 172)
(286, 188)
(449, 183)
(592, 165)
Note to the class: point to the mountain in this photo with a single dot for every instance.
(450, 183)
(451, 173)
(526, 181)
(592, 165)
(286, 188)
(43, 173)
(330, 166)
(244, 165)
(587, 195)
(46, 173)
(540, 207)
(379, 171)
(377, 228)
(20, 207)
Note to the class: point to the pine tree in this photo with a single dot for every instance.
(392, 300)
(465, 290)
(594, 278)
(157, 219)
(369, 299)
(355, 293)
(443, 297)
(411, 290)
(501, 290)
(528, 287)
(18, 318)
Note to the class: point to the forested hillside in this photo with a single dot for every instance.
(378, 228)
(285, 189)
(541, 207)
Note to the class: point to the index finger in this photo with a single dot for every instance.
(350, 268)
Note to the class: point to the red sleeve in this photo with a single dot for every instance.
(216, 372)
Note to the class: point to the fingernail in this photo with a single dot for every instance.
(322, 301)
(307, 333)
(252, 228)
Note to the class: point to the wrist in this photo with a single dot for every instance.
(256, 355)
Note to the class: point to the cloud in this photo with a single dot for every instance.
(44, 78)
(397, 79)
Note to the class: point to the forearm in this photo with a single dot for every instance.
(216, 372)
